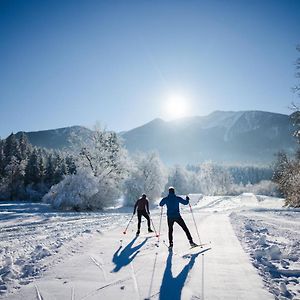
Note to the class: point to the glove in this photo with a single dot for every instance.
(187, 197)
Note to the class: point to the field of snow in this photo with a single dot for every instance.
(33, 237)
(252, 252)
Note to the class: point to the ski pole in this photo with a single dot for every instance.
(128, 224)
(161, 212)
(195, 224)
(154, 228)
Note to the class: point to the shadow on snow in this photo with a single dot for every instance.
(127, 255)
(171, 287)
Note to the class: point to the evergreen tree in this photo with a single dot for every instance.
(25, 147)
(60, 168)
(14, 173)
(11, 148)
(70, 164)
(32, 171)
(50, 170)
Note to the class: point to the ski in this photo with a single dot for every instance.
(188, 253)
(201, 245)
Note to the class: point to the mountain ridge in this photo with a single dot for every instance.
(251, 136)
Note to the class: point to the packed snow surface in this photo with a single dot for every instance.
(250, 252)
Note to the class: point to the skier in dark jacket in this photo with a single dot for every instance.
(142, 207)
(172, 201)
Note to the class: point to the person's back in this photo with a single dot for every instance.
(172, 202)
(142, 204)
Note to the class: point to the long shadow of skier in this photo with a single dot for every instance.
(127, 255)
(171, 287)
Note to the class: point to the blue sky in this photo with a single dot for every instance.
(66, 63)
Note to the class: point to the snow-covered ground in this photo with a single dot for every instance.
(272, 238)
(33, 237)
(253, 253)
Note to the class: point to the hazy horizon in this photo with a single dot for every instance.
(106, 126)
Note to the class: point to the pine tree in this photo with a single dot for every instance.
(50, 170)
(60, 168)
(11, 148)
(14, 173)
(71, 166)
(32, 171)
(24, 146)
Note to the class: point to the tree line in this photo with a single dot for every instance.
(27, 172)
(97, 172)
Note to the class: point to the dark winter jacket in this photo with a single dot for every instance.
(172, 201)
(142, 204)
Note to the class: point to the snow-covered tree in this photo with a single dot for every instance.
(75, 192)
(32, 171)
(287, 176)
(183, 180)
(70, 164)
(214, 180)
(148, 175)
(101, 160)
(15, 171)
(11, 148)
(25, 147)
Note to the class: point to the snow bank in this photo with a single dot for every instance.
(243, 201)
(272, 238)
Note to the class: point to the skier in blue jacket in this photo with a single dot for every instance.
(172, 201)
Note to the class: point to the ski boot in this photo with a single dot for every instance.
(150, 230)
(170, 247)
(138, 233)
(193, 245)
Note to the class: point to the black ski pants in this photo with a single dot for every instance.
(182, 224)
(141, 213)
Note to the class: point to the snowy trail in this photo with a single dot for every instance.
(136, 269)
(228, 271)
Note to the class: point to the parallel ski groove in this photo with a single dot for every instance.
(105, 286)
(99, 266)
(72, 293)
(136, 288)
(38, 294)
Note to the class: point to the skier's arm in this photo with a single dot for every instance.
(184, 201)
(162, 202)
(147, 206)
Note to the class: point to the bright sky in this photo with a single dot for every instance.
(66, 63)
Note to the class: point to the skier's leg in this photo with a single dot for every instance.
(170, 226)
(182, 224)
(145, 214)
(139, 220)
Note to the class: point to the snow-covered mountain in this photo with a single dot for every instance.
(243, 136)
(223, 136)
(56, 138)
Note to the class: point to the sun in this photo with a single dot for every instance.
(175, 107)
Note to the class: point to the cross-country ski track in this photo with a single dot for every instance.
(112, 265)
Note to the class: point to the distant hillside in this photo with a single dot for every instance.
(230, 137)
(222, 136)
(56, 138)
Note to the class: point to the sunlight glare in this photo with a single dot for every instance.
(175, 107)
